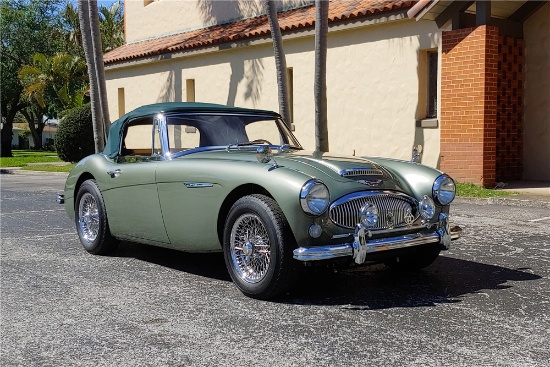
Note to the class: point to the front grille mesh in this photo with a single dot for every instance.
(392, 211)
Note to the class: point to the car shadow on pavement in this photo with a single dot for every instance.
(209, 265)
(447, 280)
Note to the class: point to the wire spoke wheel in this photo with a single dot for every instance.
(91, 220)
(88, 215)
(257, 247)
(250, 248)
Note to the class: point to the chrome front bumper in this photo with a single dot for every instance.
(362, 245)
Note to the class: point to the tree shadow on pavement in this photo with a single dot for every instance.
(379, 287)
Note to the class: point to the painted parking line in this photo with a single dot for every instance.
(539, 219)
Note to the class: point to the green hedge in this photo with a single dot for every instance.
(75, 138)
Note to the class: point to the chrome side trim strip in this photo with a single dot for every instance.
(192, 185)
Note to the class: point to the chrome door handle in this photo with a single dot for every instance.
(114, 173)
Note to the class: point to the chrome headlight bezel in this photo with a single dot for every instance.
(314, 197)
(444, 190)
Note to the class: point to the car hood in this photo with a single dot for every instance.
(344, 169)
(343, 173)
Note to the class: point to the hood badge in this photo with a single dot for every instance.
(371, 183)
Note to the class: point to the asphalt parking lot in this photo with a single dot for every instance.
(486, 302)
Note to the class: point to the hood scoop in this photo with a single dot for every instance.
(373, 176)
(355, 172)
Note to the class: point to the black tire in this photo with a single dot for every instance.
(261, 267)
(416, 260)
(91, 220)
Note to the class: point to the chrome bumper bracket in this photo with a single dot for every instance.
(60, 198)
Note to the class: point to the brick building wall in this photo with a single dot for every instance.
(510, 93)
(469, 70)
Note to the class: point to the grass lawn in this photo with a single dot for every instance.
(49, 167)
(474, 191)
(22, 157)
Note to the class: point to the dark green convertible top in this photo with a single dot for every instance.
(115, 132)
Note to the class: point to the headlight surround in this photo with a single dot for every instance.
(426, 207)
(444, 190)
(314, 197)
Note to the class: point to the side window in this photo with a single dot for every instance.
(264, 130)
(182, 137)
(141, 141)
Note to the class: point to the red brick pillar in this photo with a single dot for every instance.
(509, 136)
(469, 70)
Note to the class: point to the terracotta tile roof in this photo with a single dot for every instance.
(339, 10)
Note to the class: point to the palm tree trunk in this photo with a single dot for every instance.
(98, 60)
(320, 86)
(97, 122)
(280, 60)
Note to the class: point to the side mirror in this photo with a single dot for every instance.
(264, 154)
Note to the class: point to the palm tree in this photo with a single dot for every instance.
(111, 24)
(71, 22)
(97, 121)
(99, 67)
(62, 73)
(280, 60)
(320, 86)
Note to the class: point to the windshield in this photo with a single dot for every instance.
(189, 131)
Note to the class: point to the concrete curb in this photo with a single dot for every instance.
(19, 171)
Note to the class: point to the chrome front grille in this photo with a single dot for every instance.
(394, 210)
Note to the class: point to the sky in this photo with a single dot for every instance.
(105, 3)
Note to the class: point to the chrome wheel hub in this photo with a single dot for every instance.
(249, 246)
(88, 217)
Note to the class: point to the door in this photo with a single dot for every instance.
(130, 190)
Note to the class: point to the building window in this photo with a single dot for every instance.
(190, 90)
(121, 102)
(431, 107)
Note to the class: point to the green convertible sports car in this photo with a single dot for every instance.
(202, 178)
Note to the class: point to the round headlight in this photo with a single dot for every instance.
(444, 190)
(426, 208)
(314, 197)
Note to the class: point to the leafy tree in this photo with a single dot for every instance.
(27, 27)
(320, 86)
(280, 60)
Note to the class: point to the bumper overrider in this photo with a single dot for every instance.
(363, 244)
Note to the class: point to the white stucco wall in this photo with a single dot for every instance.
(372, 86)
(145, 18)
(537, 96)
